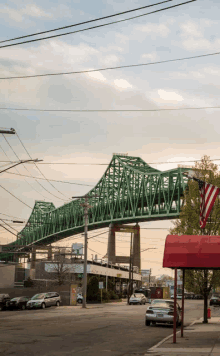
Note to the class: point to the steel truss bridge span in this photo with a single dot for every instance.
(129, 191)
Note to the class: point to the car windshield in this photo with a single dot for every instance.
(161, 305)
(38, 296)
(15, 299)
(136, 295)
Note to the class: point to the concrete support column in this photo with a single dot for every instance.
(33, 258)
(137, 248)
(111, 244)
(49, 255)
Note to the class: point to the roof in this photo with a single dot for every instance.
(192, 251)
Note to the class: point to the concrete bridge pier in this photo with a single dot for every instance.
(137, 248)
(111, 244)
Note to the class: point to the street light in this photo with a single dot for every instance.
(86, 206)
(21, 162)
(8, 131)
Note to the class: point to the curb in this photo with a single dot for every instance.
(153, 348)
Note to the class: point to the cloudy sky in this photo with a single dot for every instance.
(159, 137)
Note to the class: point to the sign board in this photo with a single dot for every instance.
(73, 294)
(128, 229)
(118, 286)
(77, 249)
(118, 275)
(101, 285)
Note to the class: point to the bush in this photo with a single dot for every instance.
(29, 282)
(113, 295)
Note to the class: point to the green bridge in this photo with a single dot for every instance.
(129, 191)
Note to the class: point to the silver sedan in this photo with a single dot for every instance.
(161, 313)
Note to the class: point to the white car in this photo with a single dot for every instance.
(137, 298)
(177, 297)
(43, 300)
(79, 298)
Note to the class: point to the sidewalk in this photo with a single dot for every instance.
(198, 340)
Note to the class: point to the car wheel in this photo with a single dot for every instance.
(23, 307)
(147, 322)
(57, 303)
(79, 301)
(43, 306)
(144, 303)
(129, 303)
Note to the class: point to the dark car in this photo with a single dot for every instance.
(214, 301)
(17, 303)
(4, 298)
(198, 296)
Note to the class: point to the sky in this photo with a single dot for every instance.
(161, 138)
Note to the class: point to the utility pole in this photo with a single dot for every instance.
(86, 206)
(8, 131)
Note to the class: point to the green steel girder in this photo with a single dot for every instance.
(129, 191)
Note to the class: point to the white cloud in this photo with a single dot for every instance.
(28, 10)
(151, 56)
(122, 84)
(191, 29)
(97, 75)
(155, 29)
(169, 96)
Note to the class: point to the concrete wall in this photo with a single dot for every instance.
(7, 276)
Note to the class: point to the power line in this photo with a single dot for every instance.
(13, 216)
(101, 164)
(41, 172)
(8, 225)
(112, 68)
(97, 26)
(23, 165)
(51, 180)
(7, 230)
(16, 197)
(111, 110)
(85, 22)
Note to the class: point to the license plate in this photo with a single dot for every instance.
(160, 315)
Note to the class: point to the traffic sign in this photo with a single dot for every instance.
(101, 285)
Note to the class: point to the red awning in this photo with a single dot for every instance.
(192, 251)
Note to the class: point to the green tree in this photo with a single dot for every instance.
(200, 281)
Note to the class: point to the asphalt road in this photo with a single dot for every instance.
(114, 329)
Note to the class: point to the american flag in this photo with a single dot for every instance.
(208, 195)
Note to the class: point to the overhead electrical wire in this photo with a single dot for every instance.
(85, 22)
(110, 110)
(10, 216)
(8, 225)
(41, 172)
(51, 180)
(112, 68)
(8, 230)
(16, 197)
(97, 26)
(23, 166)
(106, 164)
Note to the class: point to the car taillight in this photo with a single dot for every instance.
(149, 312)
(171, 313)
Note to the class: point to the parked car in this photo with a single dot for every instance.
(17, 303)
(4, 298)
(79, 298)
(168, 301)
(177, 297)
(137, 298)
(43, 300)
(198, 296)
(214, 300)
(161, 313)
